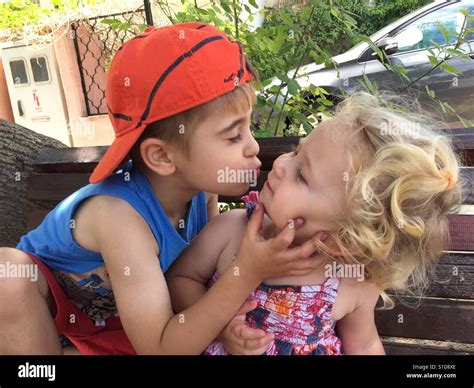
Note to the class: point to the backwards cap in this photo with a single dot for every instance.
(162, 72)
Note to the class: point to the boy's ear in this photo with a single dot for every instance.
(157, 155)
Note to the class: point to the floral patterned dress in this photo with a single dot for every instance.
(299, 316)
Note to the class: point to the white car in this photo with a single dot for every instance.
(406, 42)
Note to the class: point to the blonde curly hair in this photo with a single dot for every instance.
(403, 183)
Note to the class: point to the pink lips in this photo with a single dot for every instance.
(258, 172)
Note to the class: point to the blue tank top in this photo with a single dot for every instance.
(81, 272)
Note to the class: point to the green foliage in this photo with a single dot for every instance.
(290, 37)
(331, 34)
(16, 14)
(295, 35)
(224, 207)
(372, 18)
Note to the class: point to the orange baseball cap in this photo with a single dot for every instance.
(162, 72)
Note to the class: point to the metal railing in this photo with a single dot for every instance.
(95, 44)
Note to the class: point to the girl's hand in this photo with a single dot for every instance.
(266, 259)
(239, 339)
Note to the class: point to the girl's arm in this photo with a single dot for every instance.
(357, 329)
(188, 276)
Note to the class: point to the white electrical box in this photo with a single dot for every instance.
(36, 93)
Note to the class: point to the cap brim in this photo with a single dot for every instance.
(115, 154)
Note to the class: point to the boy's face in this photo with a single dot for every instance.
(223, 155)
(308, 183)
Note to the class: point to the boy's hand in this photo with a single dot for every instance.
(273, 258)
(239, 339)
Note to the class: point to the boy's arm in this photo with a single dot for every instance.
(188, 276)
(357, 329)
(141, 293)
(130, 254)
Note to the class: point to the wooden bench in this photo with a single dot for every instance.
(443, 323)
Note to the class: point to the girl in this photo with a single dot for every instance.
(373, 187)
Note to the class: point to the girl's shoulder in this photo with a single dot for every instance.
(354, 293)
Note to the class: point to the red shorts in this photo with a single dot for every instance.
(79, 328)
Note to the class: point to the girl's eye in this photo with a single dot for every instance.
(301, 177)
(235, 139)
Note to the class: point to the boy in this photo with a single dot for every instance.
(180, 104)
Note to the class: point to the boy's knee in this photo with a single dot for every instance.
(12, 255)
(21, 280)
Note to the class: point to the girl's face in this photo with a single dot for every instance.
(308, 183)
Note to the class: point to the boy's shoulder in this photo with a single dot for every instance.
(103, 213)
(106, 207)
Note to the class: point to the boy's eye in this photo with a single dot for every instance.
(235, 139)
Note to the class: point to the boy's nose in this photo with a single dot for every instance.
(252, 148)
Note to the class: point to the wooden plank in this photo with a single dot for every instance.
(272, 147)
(463, 136)
(453, 277)
(410, 346)
(75, 159)
(84, 159)
(35, 218)
(454, 274)
(55, 187)
(467, 174)
(461, 231)
(463, 141)
(41, 181)
(429, 318)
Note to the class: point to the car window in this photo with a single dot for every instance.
(423, 32)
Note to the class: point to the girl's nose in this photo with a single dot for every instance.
(279, 166)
